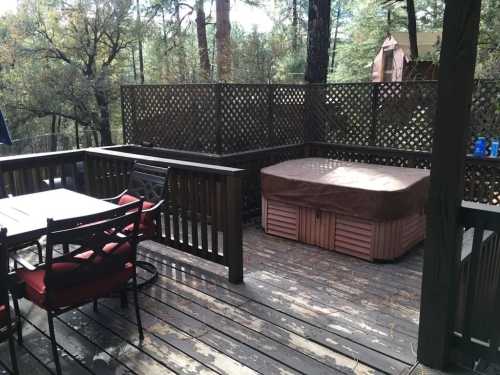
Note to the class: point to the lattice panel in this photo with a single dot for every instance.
(344, 115)
(175, 116)
(485, 116)
(395, 115)
(127, 93)
(244, 118)
(288, 108)
(404, 115)
(482, 182)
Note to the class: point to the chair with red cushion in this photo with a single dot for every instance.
(7, 327)
(101, 262)
(150, 183)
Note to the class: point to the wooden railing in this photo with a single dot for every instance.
(36, 172)
(203, 212)
(477, 328)
(482, 176)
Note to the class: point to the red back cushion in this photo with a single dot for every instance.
(147, 224)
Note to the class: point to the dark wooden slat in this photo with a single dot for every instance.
(204, 201)
(194, 209)
(184, 199)
(214, 212)
(175, 206)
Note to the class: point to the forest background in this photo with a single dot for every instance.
(62, 61)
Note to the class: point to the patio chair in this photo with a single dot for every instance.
(101, 262)
(7, 326)
(151, 183)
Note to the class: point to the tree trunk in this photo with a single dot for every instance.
(295, 27)
(201, 30)
(223, 38)
(180, 43)
(139, 38)
(77, 135)
(444, 229)
(104, 121)
(412, 28)
(53, 136)
(335, 36)
(318, 41)
(134, 67)
(165, 69)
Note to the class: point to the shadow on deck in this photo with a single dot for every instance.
(301, 310)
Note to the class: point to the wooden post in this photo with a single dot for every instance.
(234, 230)
(270, 115)
(373, 129)
(218, 119)
(444, 234)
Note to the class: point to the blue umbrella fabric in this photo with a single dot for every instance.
(4, 131)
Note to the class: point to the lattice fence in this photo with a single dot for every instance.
(180, 117)
(231, 118)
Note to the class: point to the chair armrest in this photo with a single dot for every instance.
(154, 208)
(23, 262)
(115, 199)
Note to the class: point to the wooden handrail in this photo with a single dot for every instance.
(185, 165)
(482, 215)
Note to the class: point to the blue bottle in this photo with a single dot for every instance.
(494, 148)
(480, 147)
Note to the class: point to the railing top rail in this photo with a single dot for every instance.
(193, 166)
(21, 159)
(480, 215)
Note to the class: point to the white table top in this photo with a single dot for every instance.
(26, 215)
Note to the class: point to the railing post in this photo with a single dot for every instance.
(374, 117)
(270, 115)
(234, 230)
(88, 176)
(218, 118)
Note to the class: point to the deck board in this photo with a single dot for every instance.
(301, 310)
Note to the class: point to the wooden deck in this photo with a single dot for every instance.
(302, 310)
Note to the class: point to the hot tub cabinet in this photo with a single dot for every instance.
(372, 212)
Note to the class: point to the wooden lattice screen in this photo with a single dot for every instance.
(231, 118)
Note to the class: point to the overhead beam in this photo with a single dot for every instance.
(444, 233)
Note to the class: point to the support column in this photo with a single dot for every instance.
(444, 234)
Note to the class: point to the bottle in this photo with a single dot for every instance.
(494, 148)
(480, 147)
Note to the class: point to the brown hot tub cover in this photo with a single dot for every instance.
(369, 191)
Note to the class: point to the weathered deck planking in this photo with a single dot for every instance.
(302, 310)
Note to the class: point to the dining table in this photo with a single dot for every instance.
(25, 217)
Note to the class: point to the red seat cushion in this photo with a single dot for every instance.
(147, 225)
(66, 271)
(77, 294)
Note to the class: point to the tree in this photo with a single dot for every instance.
(223, 40)
(318, 41)
(201, 32)
(139, 41)
(412, 24)
(80, 43)
(412, 29)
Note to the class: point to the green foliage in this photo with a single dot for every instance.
(58, 57)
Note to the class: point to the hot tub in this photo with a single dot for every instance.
(370, 211)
